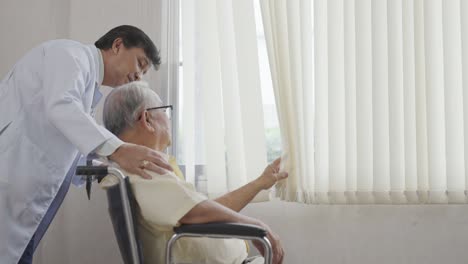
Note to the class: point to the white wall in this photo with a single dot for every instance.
(365, 234)
(24, 24)
(336, 234)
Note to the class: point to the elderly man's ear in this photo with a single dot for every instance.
(145, 121)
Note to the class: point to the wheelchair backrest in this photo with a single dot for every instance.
(116, 212)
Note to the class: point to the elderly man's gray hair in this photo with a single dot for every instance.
(123, 104)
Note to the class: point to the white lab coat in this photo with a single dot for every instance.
(45, 105)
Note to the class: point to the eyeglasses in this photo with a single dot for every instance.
(166, 109)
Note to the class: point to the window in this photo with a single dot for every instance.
(197, 160)
(272, 130)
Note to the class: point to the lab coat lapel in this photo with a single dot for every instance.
(96, 98)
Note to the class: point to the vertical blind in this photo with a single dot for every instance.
(221, 94)
(371, 97)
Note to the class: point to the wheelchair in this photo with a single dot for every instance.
(121, 204)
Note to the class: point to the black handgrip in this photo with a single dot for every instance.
(92, 170)
(227, 229)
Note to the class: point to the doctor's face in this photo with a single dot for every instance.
(124, 65)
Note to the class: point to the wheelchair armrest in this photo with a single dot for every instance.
(222, 229)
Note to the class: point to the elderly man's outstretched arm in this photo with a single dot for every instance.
(238, 199)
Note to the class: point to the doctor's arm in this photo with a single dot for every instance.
(239, 198)
(66, 78)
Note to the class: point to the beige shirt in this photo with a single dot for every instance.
(162, 201)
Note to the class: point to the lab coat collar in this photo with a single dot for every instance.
(101, 68)
(99, 62)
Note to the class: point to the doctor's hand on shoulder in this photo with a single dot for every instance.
(135, 159)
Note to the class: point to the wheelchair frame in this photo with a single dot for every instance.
(212, 230)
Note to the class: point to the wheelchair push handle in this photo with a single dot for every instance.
(92, 170)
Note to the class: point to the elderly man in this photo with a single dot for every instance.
(135, 114)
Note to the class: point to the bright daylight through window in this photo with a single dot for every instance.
(272, 130)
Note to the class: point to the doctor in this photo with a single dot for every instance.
(46, 124)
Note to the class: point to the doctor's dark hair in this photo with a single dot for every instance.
(131, 37)
(124, 103)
